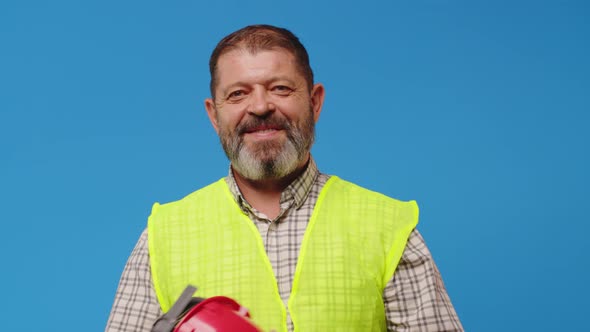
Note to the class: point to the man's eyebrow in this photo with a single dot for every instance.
(225, 90)
(280, 78)
(266, 82)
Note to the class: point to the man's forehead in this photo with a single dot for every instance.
(243, 52)
(233, 59)
(237, 63)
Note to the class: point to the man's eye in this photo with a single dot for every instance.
(236, 95)
(281, 89)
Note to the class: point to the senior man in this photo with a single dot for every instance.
(301, 249)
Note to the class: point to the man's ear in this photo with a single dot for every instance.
(212, 113)
(317, 100)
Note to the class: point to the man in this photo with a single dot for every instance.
(301, 249)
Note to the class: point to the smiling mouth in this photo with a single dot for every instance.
(264, 133)
(265, 129)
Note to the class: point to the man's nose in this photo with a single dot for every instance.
(260, 103)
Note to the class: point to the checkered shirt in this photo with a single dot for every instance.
(415, 298)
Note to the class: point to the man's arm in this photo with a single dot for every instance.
(136, 307)
(416, 299)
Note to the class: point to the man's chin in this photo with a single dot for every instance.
(264, 168)
(265, 154)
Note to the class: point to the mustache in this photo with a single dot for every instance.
(256, 123)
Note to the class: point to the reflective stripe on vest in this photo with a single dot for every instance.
(350, 250)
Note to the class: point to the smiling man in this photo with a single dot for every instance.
(264, 111)
(301, 249)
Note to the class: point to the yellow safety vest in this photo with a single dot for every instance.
(350, 250)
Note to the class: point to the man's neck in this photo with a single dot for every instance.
(265, 195)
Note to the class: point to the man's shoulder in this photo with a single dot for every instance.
(359, 190)
(188, 200)
(209, 189)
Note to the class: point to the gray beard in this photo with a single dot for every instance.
(269, 160)
(252, 167)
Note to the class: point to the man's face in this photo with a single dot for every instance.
(264, 112)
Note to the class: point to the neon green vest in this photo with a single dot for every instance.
(350, 250)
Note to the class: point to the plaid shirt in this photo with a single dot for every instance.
(415, 299)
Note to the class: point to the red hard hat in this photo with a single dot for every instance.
(217, 314)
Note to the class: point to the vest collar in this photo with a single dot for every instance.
(293, 196)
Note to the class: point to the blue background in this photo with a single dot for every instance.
(478, 110)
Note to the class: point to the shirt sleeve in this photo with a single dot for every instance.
(136, 307)
(416, 299)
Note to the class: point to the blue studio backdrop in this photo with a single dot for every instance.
(476, 109)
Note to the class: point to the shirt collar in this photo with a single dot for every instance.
(297, 191)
